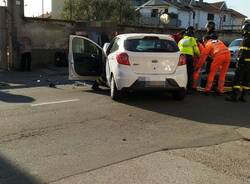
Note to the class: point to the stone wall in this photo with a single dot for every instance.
(51, 36)
(226, 36)
(47, 37)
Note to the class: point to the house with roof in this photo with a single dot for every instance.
(186, 13)
(229, 18)
(151, 11)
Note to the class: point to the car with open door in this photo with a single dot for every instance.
(130, 62)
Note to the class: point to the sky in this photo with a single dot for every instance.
(33, 7)
(241, 6)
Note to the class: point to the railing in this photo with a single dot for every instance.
(155, 22)
(231, 27)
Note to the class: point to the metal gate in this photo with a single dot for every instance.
(3, 38)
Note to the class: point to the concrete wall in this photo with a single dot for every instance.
(47, 37)
(226, 36)
(3, 40)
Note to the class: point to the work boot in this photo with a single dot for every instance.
(207, 93)
(217, 92)
(243, 96)
(233, 97)
(96, 87)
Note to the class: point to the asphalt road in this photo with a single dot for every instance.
(50, 134)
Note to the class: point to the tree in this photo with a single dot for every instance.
(119, 11)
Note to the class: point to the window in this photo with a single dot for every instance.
(236, 43)
(154, 13)
(224, 18)
(81, 46)
(194, 14)
(166, 11)
(150, 45)
(210, 16)
(115, 46)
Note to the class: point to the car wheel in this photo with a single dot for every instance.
(179, 95)
(114, 92)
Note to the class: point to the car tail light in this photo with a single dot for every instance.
(122, 58)
(182, 60)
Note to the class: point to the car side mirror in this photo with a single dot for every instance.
(105, 48)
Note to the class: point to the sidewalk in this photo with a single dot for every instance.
(220, 164)
(35, 78)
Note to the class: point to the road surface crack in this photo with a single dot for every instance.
(42, 131)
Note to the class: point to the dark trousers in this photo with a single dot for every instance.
(26, 61)
(242, 75)
(190, 71)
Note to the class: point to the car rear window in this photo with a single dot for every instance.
(150, 45)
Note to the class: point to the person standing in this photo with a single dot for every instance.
(178, 36)
(221, 58)
(241, 83)
(25, 51)
(188, 47)
(210, 27)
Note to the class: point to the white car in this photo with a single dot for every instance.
(132, 62)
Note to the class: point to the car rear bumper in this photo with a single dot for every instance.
(152, 81)
(167, 85)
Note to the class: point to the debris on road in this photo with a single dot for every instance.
(78, 83)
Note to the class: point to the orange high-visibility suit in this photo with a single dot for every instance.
(197, 67)
(221, 60)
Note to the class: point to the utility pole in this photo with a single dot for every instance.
(42, 8)
(15, 16)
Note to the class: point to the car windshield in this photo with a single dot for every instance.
(235, 43)
(150, 44)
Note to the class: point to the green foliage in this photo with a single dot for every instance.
(119, 11)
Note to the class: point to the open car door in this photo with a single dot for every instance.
(85, 59)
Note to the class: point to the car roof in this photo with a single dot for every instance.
(141, 35)
(238, 39)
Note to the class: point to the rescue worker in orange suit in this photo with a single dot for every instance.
(221, 60)
(197, 66)
(188, 47)
(241, 83)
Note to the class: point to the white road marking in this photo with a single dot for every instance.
(55, 102)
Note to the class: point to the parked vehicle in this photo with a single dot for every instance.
(234, 49)
(133, 62)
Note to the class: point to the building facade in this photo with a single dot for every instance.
(57, 9)
(186, 13)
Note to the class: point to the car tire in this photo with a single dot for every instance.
(179, 95)
(115, 94)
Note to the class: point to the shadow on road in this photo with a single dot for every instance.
(46, 77)
(13, 98)
(10, 174)
(196, 107)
